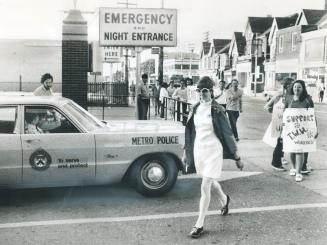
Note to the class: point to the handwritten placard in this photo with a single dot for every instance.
(277, 118)
(299, 130)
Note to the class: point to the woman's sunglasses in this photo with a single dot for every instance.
(204, 90)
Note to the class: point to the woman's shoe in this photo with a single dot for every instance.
(298, 177)
(292, 172)
(196, 232)
(224, 210)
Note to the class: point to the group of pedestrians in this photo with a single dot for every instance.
(294, 95)
(159, 92)
(230, 97)
(210, 138)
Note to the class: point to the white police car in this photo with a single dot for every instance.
(51, 141)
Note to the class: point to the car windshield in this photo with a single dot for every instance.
(84, 117)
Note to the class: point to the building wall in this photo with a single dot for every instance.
(313, 60)
(288, 49)
(29, 59)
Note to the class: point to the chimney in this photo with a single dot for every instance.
(326, 4)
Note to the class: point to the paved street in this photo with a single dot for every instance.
(267, 207)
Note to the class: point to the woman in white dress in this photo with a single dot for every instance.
(208, 140)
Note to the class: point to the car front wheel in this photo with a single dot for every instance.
(154, 175)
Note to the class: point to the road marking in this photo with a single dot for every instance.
(158, 216)
(322, 112)
(225, 175)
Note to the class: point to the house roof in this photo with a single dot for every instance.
(240, 42)
(260, 24)
(284, 22)
(225, 49)
(218, 44)
(313, 15)
(206, 47)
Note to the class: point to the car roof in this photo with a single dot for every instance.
(31, 99)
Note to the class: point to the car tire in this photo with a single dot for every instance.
(154, 175)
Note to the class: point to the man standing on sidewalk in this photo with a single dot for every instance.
(45, 88)
(234, 105)
(143, 98)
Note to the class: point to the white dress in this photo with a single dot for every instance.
(208, 151)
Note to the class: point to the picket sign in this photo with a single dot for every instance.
(274, 128)
(299, 130)
(277, 118)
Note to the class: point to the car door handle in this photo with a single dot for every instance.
(29, 141)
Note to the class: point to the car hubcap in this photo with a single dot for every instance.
(153, 175)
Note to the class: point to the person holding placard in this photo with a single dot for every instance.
(299, 127)
(273, 132)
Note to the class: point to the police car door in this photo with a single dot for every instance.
(55, 151)
(10, 146)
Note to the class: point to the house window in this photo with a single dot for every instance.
(280, 44)
(294, 41)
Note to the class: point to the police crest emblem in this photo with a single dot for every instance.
(40, 160)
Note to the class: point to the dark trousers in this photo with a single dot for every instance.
(143, 106)
(162, 109)
(233, 116)
(183, 106)
(278, 154)
(305, 161)
(157, 106)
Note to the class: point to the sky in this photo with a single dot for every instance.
(42, 19)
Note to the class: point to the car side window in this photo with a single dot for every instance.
(8, 120)
(44, 119)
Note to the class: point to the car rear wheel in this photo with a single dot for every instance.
(154, 175)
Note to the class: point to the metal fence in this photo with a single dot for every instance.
(173, 109)
(107, 94)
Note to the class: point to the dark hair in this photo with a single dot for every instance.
(287, 82)
(206, 82)
(189, 80)
(222, 81)
(304, 94)
(164, 85)
(46, 76)
(144, 76)
(234, 79)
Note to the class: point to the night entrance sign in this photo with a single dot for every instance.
(138, 27)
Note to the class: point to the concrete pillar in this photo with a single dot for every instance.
(75, 58)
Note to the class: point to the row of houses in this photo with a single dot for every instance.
(270, 49)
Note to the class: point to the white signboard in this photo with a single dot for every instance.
(111, 54)
(299, 130)
(138, 27)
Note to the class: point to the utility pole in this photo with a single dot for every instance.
(191, 47)
(161, 57)
(257, 53)
(127, 4)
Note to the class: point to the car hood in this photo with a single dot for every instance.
(151, 126)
